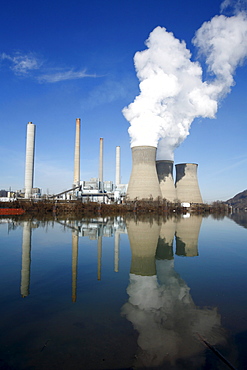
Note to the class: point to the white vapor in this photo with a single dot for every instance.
(172, 91)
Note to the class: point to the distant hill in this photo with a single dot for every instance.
(239, 200)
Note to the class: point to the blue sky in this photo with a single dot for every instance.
(63, 60)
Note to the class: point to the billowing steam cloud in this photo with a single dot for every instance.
(172, 90)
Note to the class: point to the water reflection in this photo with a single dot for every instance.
(160, 306)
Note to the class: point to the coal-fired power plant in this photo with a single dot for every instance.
(77, 153)
(165, 176)
(29, 168)
(187, 184)
(144, 183)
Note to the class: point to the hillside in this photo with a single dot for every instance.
(239, 200)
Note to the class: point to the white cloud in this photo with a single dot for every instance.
(64, 75)
(29, 65)
(22, 64)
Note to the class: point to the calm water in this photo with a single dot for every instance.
(109, 294)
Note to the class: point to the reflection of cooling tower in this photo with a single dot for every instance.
(187, 232)
(143, 182)
(165, 244)
(186, 183)
(26, 258)
(165, 176)
(77, 153)
(29, 169)
(143, 239)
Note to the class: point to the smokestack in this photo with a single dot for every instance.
(101, 163)
(77, 152)
(165, 176)
(29, 169)
(144, 181)
(118, 176)
(187, 184)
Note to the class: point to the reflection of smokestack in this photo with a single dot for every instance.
(118, 176)
(75, 238)
(77, 153)
(26, 258)
(165, 176)
(143, 182)
(101, 162)
(30, 143)
(187, 232)
(116, 250)
(187, 184)
(99, 256)
(143, 239)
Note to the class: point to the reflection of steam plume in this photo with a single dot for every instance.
(75, 239)
(164, 313)
(172, 91)
(187, 232)
(26, 258)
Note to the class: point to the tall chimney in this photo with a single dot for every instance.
(101, 163)
(77, 152)
(118, 176)
(187, 184)
(165, 175)
(29, 169)
(144, 181)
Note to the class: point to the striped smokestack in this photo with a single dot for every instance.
(77, 152)
(29, 168)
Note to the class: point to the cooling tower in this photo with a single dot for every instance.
(101, 163)
(165, 175)
(77, 153)
(29, 169)
(143, 238)
(118, 176)
(144, 182)
(187, 233)
(187, 184)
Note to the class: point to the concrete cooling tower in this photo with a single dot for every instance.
(187, 184)
(165, 176)
(144, 181)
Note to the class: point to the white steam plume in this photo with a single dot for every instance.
(172, 91)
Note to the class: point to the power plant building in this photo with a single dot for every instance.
(165, 176)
